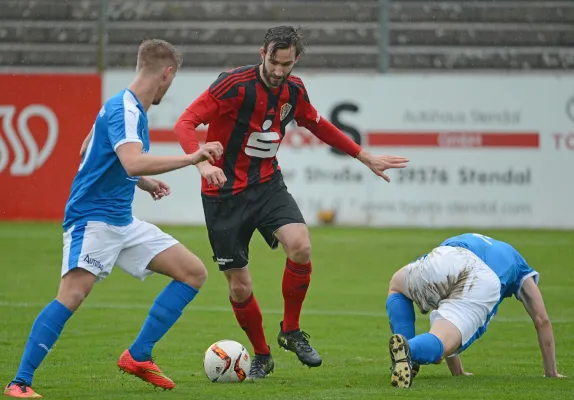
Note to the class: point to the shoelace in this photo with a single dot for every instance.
(23, 387)
(302, 339)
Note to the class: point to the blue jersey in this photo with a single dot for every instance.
(102, 190)
(502, 258)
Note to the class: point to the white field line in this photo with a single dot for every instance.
(367, 314)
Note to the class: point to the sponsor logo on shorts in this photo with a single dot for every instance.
(93, 261)
(223, 261)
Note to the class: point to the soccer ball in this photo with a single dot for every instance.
(226, 361)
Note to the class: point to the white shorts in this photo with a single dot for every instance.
(455, 285)
(96, 247)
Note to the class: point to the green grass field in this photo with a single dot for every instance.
(344, 313)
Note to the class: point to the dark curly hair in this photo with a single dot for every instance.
(283, 37)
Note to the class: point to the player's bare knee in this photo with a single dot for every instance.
(397, 283)
(448, 334)
(72, 298)
(75, 286)
(240, 291)
(541, 322)
(299, 251)
(240, 287)
(194, 274)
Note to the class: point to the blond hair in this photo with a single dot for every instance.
(154, 54)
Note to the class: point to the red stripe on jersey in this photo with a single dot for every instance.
(255, 124)
(231, 81)
(296, 80)
(231, 74)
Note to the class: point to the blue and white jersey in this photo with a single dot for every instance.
(502, 258)
(102, 190)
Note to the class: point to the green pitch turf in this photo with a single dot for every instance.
(344, 313)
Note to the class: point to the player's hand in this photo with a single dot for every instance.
(379, 164)
(156, 188)
(462, 373)
(210, 151)
(555, 375)
(213, 175)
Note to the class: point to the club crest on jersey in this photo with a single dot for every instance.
(285, 109)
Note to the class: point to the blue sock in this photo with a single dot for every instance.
(401, 314)
(45, 331)
(426, 348)
(165, 311)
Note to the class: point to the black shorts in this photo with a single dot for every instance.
(231, 222)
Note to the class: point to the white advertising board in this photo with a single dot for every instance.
(485, 150)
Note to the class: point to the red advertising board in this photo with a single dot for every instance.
(43, 121)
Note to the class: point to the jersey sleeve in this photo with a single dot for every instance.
(123, 126)
(308, 117)
(305, 114)
(525, 272)
(201, 111)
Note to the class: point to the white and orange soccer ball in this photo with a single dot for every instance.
(226, 361)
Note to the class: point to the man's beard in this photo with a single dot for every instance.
(269, 77)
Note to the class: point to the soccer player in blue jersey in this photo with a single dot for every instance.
(101, 232)
(462, 282)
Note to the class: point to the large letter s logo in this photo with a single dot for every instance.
(263, 144)
(349, 130)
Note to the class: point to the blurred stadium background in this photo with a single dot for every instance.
(478, 94)
(370, 35)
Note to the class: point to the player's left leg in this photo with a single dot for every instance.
(281, 221)
(296, 278)
(151, 250)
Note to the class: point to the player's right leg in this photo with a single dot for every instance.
(401, 311)
(78, 278)
(147, 250)
(230, 227)
(249, 317)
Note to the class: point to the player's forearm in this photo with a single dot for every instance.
(146, 164)
(455, 365)
(202, 165)
(185, 132)
(331, 135)
(548, 349)
(144, 183)
(201, 111)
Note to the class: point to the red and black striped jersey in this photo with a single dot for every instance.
(249, 120)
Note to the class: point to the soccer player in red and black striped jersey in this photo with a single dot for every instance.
(248, 109)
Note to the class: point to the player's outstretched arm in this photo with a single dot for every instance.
(455, 366)
(135, 163)
(307, 116)
(534, 304)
